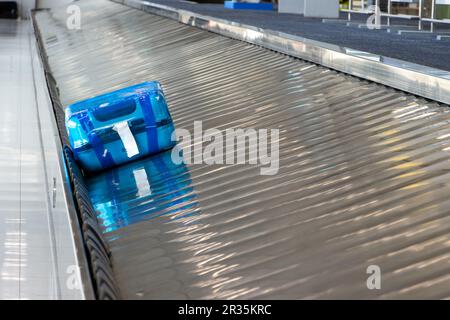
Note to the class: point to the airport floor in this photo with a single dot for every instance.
(27, 268)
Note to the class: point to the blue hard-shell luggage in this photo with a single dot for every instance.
(120, 126)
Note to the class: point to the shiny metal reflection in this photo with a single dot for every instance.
(413, 78)
(363, 174)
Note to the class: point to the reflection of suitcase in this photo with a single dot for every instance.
(142, 190)
(119, 127)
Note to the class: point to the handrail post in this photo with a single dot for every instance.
(350, 8)
(433, 14)
(420, 14)
(389, 13)
(378, 10)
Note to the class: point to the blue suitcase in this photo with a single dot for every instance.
(120, 126)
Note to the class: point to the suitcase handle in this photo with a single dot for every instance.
(109, 114)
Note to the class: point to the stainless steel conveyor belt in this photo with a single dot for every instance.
(363, 180)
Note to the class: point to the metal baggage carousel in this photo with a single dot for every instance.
(363, 179)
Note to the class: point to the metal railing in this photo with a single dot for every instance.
(365, 8)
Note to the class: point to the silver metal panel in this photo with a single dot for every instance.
(363, 177)
(27, 260)
(37, 254)
(27, 265)
(73, 271)
(416, 79)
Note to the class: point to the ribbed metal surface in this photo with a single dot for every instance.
(363, 180)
